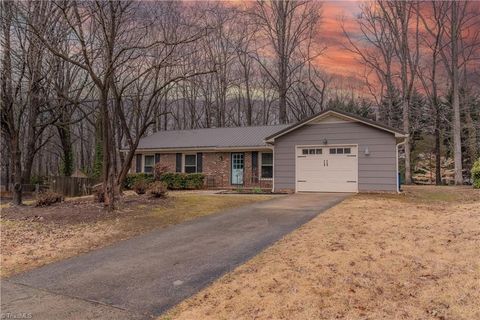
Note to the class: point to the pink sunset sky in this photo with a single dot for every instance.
(336, 59)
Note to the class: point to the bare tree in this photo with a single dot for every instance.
(286, 25)
(433, 17)
(458, 48)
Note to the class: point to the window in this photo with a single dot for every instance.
(340, 150)
(266, 166)
(318, 151)
(304, 151)
(190, 163)
(311, 151)
(148, 164)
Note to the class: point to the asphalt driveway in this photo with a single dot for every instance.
(144, 276)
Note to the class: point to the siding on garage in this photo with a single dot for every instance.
(376, 172)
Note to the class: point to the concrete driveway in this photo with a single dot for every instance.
(144, 276)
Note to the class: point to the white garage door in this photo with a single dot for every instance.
(327, 168)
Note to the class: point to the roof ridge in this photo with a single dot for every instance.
(254, 126)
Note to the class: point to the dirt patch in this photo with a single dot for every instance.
(375, 256)
(32, 237)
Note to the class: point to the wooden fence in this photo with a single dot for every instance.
(71, 186)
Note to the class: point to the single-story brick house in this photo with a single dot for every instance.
(332, 151)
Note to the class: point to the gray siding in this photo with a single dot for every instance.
(376, 172)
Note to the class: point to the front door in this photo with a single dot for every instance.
(237, 168)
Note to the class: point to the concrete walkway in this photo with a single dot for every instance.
(142, 277)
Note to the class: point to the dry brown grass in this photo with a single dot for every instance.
(411, 256)
(27, 244)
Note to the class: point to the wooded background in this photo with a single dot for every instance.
(81, 80)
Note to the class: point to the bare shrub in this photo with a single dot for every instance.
(140, 186)
(48, 198)
(157, 189)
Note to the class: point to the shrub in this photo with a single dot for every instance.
(48, 198)
(179, 181)
(157, 189)
(99, 195)
(132, 178)
(476, 174)
(37, 179)
(257, 190)
(160, 170)
(140, 186)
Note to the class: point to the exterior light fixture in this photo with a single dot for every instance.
(325, 141)
(367, 153)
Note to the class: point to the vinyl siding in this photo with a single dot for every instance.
(376, 172)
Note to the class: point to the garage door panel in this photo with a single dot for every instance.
(329, 171)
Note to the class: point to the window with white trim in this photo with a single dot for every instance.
(190, 163)
(266, 165)
(148, 163)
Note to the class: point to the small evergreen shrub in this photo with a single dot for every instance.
(48, 198)
(157, 189)
(257, 190)
(132, 178)
(182, 181)
(476, 174)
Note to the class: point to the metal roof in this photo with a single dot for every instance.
(236, 137)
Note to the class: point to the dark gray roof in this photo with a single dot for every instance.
(331, 110)
(210, 138)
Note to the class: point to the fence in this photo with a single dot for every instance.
(71, 186)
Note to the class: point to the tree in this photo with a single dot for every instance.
(433, 17)
(459, 46)
(286, 25)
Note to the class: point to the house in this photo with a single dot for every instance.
(332, 151)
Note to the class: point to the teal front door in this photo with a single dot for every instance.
(237, 168)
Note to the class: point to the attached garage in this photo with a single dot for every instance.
(335, 151)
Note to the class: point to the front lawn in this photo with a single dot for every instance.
(374, 256)
(31, 237)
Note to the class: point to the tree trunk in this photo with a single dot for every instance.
(438, 151)
(406, 128)
(17, 171)
(457, 140)
(67, 150)
(108, 170)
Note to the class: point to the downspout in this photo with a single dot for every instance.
(396, 158)
(273, 169)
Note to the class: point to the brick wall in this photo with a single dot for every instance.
(216, 167)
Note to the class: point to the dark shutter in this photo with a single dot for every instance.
(178, 163)
(254, 163)
(157, 158)
(199, 162)
(138, 163)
